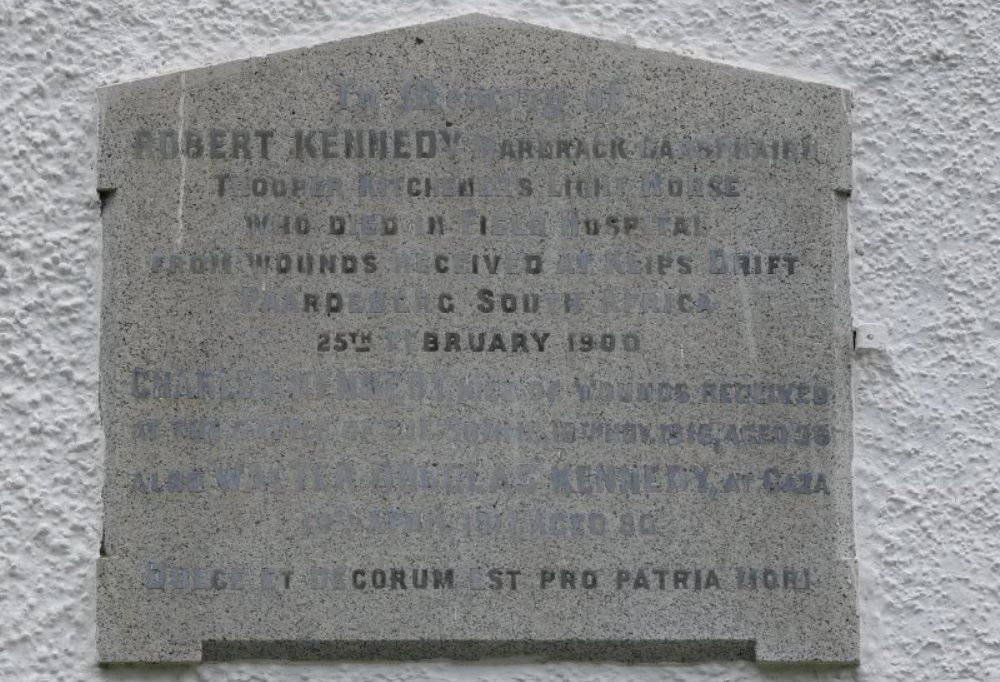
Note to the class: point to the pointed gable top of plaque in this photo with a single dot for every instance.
(479, 48)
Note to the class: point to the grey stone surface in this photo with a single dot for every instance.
(654, 444)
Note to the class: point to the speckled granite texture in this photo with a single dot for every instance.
(759, 549)
(924, 213)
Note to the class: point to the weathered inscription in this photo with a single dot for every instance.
(482, 332)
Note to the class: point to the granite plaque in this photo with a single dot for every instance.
(476, 338)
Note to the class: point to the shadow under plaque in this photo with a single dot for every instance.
(622, 651)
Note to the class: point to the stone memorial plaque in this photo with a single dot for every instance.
(476, 338)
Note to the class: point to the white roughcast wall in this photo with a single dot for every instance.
(926, 78)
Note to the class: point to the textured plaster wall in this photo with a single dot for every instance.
(926, 76)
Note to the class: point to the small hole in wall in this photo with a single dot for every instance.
(105, 195)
